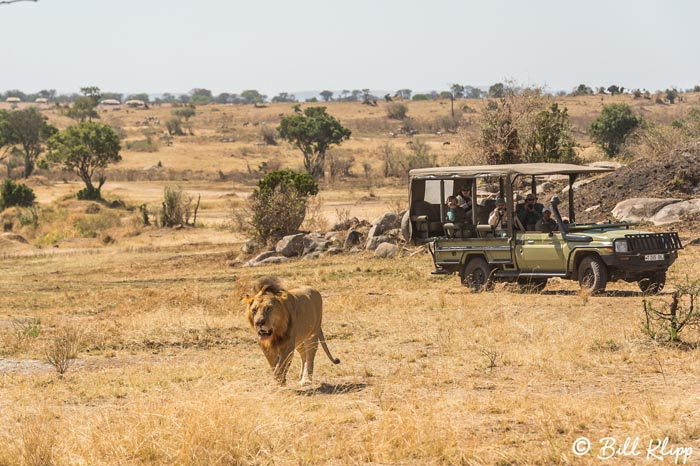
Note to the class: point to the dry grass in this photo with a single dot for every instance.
(169, 373)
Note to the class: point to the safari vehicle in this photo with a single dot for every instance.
(593, 253)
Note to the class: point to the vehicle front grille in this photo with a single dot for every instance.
(648, 242)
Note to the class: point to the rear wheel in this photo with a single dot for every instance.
(592, 274)
(652, 283)
(478, 275)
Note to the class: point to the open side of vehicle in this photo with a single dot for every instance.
(592, 254)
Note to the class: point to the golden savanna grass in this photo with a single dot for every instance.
(168, 371)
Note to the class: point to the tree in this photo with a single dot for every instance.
(284, 97)
(28, 129)
(86, 148)
(497, 90)
(404, 94)
(201, 96)
(251, 96)
(551, 139)
(326, 95)
(313, 132)
(582, 89)
(612, 127)
(499, 133)
(140, 96)
(671, 95)
(615, 89)
(15, 194)
(457, 91)
(184, 112)
(85, 107)
(473, 92)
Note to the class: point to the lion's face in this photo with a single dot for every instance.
(268, 317)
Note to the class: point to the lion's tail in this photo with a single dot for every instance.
(325, 347)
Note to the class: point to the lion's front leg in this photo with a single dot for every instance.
(284, 360)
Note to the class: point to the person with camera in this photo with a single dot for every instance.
(498, 218)
(530, 212)
(546, 224)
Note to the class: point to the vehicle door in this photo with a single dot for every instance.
(541, 252)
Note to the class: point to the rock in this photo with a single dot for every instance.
(291, 245)
(250, 246)
(272, 260)
(673, 212)
(354, 250)
(386, 251)
(606, 164)
(545, 187)
(13, 237)
(315, 242)
(577, 185)
(312, 255)
(346, 224)
(640, 208)
(353, 239)
(261, 257)
(393, 233)
(334, 251)
(593, 208)
(386, 222)
(375, 241)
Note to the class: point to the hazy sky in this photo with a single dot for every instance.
(175, 45)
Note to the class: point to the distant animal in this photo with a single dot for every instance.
(446, 143)
(285, 321)
(246, 123)
(387, 98)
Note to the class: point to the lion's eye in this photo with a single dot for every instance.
(254, 311)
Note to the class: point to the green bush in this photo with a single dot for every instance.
(143, 145)
(397, 111)
(612, 127)
(278, 205)
(177, 207)
(421, 97)
(15, 194)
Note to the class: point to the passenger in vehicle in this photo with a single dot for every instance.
(498, 218)
(546, 224)
(464, 200)
(530, 212)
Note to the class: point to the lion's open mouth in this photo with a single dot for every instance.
(265, 333)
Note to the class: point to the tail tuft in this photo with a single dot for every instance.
(336, 361)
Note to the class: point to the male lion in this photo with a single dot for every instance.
(287, 320)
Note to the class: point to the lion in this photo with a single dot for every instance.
(287, 320)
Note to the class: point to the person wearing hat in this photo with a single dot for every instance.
(498, 217)
(546, 224)
(464, 200)
(530, 212)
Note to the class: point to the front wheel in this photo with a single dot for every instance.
(478, 275)
(592, 274)
(652, 283)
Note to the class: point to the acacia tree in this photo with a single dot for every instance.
(327, 95)
(85, 149)
(27, 129)
(313, 133)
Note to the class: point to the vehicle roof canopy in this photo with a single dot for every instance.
(476, 171)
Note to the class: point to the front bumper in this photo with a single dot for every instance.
(633, 266)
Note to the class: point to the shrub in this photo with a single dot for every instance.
(551, 140)
(394, 161)
(269, 135)
(421, 97)
(143, 145)
(90, 226)
(64, 349)
(421, 156)
(613, 126)
(666, 324)
(174, 127)
(184, 112)
(396, 111)
(15, 194)
(278, 205)
(177, 207)
(339, 164)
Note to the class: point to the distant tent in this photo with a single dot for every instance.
(13, 100)
(41, 100)
(135, 103)
(110, 102)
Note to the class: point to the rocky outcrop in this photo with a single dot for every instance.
(640, 209)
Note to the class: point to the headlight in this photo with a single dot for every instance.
(621, 246)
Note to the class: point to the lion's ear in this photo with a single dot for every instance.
(283, 296)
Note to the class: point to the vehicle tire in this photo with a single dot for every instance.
(592, 274)
(477, 275)
(532, 285)
(406, 226)
(652, 283)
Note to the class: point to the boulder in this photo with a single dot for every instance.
(386, 222)
(577, 185)
(354, 250)
(312, 255)
(673, 212)
(640, 208)
(545, 187)
(291, 245)
(13, 237)
(593, 208)
(334, 251)
(606, 164)
(260, 257)
(272, 260)
(386, 250)
(353, 239)
(375, 241)
(314, 242)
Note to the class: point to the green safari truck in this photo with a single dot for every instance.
(593, 254)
